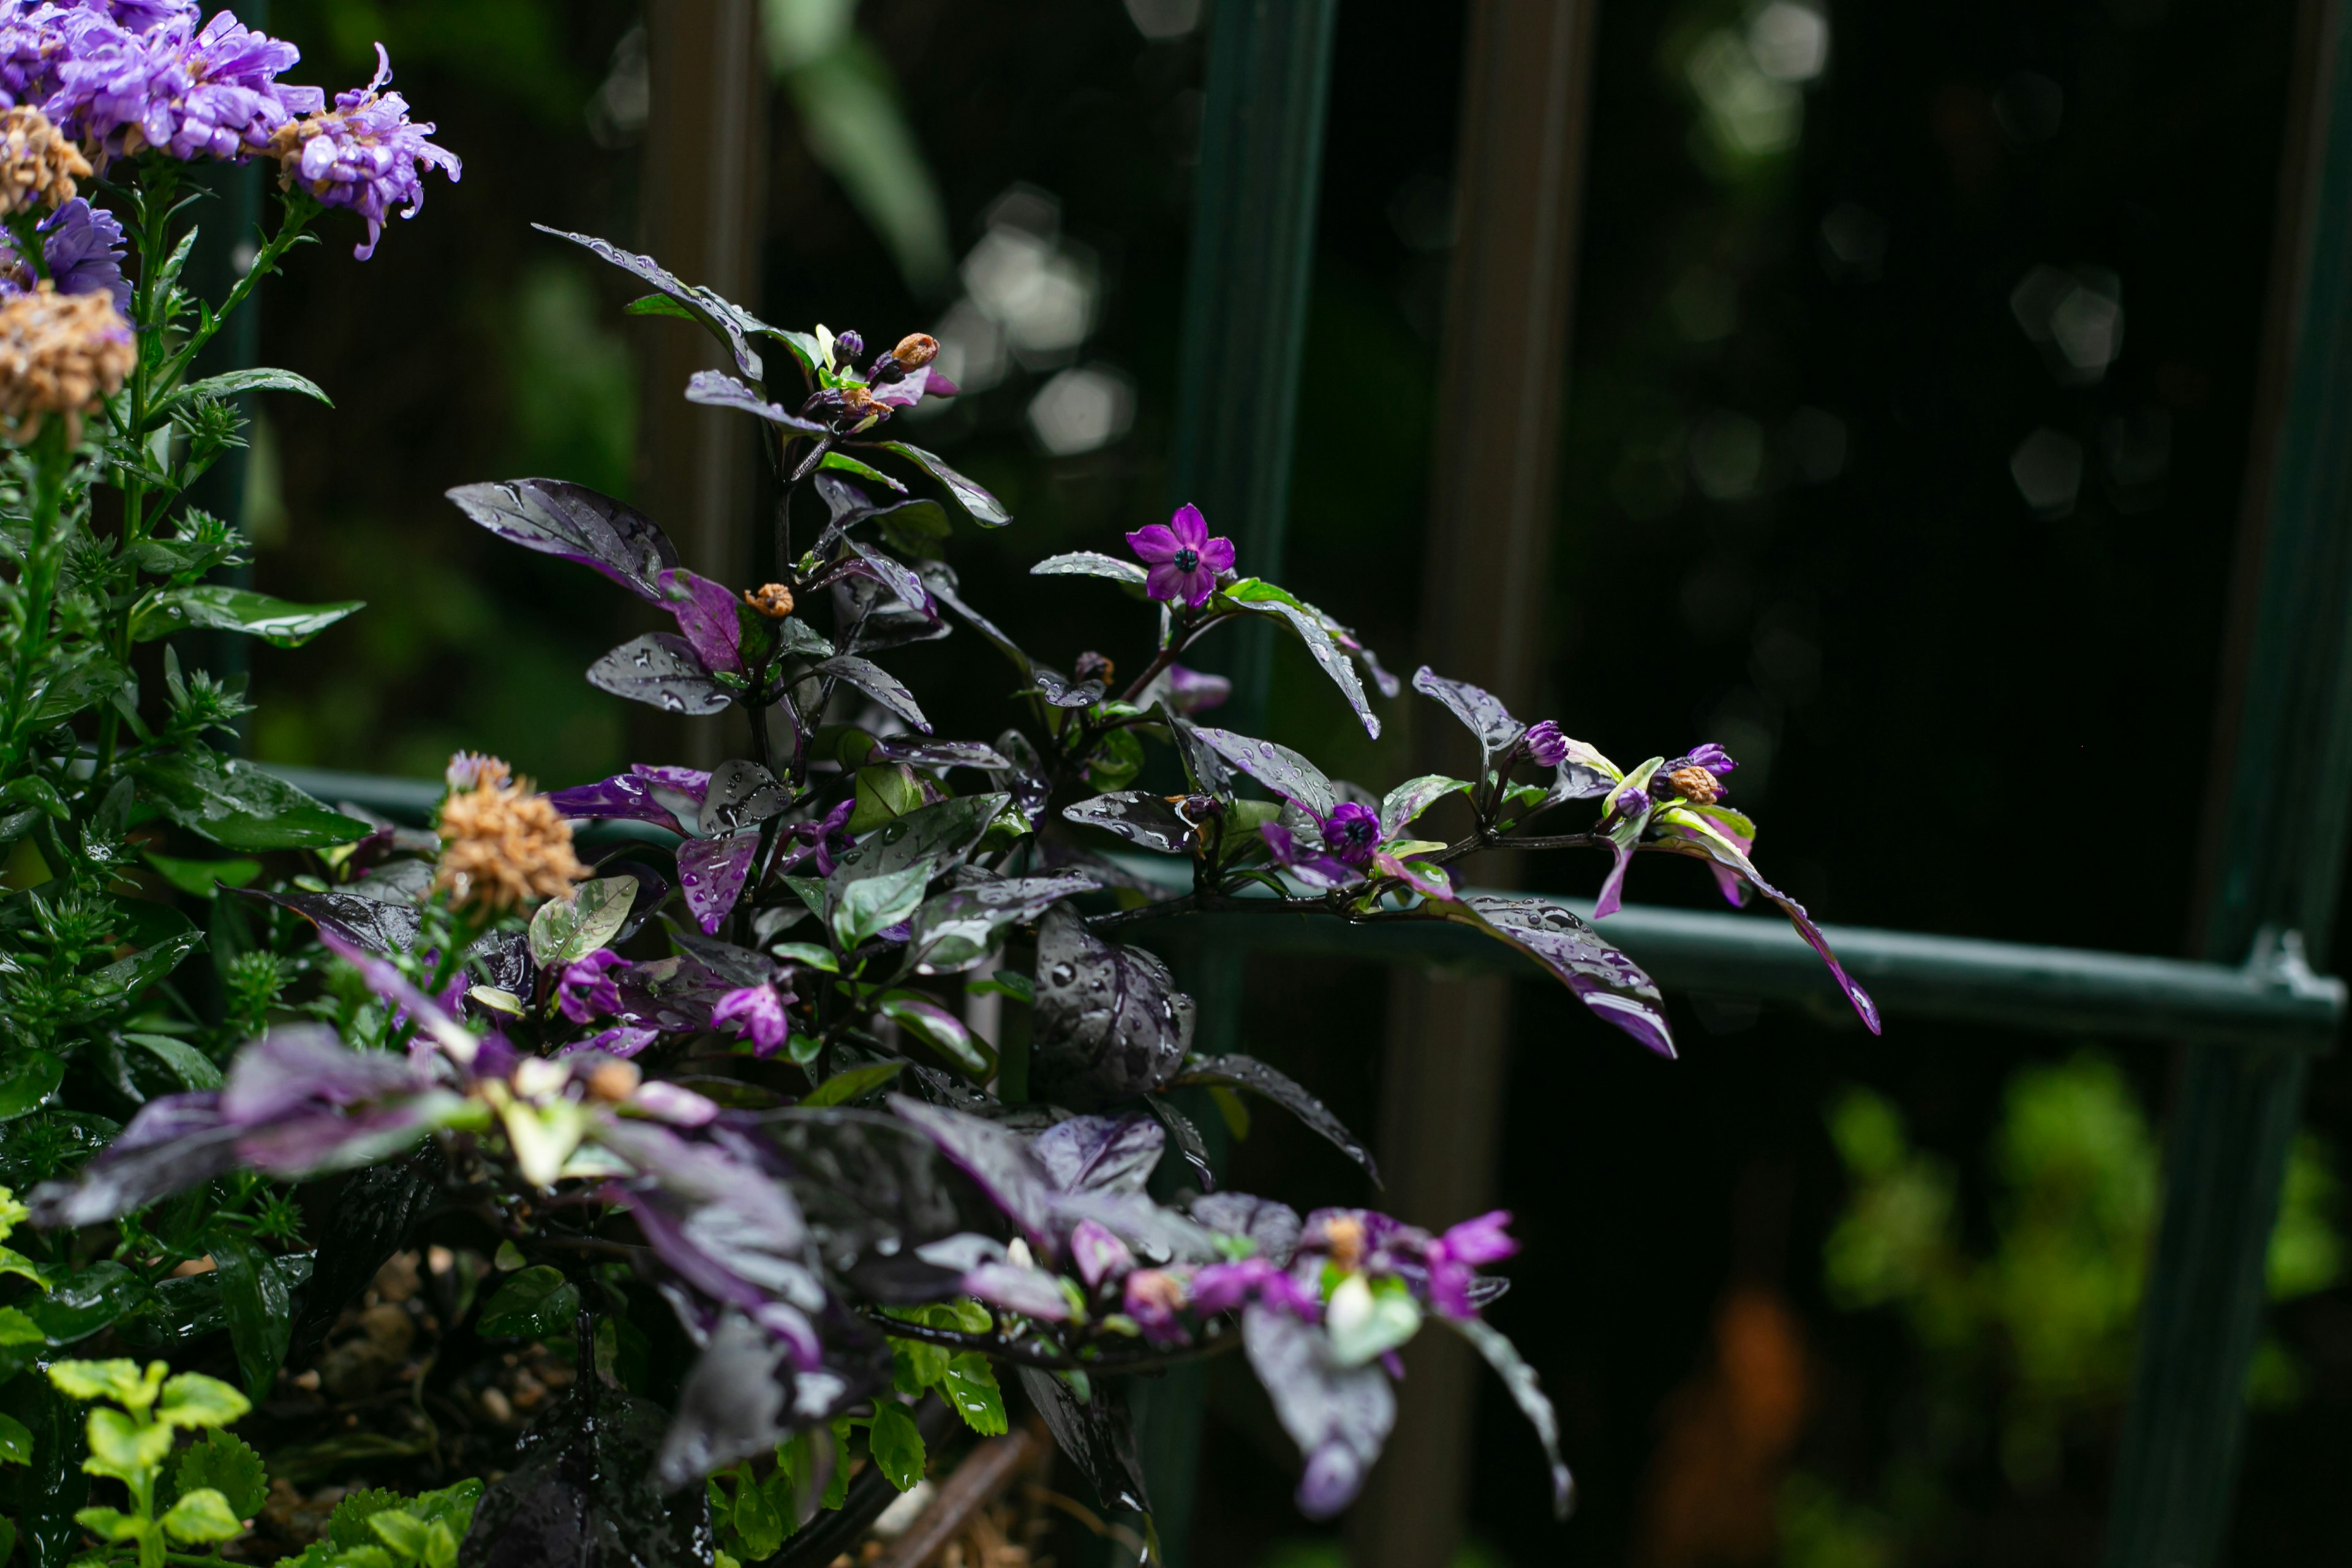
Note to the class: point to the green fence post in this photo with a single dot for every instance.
(1237, 399)
(2278, 847)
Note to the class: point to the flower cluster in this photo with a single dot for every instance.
(502, 846)
(38, 165)
(363, 155)
(59, 353)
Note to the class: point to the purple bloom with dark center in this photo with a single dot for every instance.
(81, 250)
(587, 989)
(1183, 558)
(189, 92)
(1544, 744)
(756, 1013)
(1352, 833)
(365, 154)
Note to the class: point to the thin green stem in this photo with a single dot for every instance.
(36, 590)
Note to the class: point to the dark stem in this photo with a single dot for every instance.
(1053, 1361)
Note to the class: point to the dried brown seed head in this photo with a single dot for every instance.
(38, 165)
(502, 846)
(772, 600)
(614, 1082)
(915, 350)
(1696, 784)
(1345, 1235)
(62, 355)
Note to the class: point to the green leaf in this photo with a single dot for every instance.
(15, 1441)
(194, 1401)
(229, 1464)
(659, 305)
(837, 1490)
(110, 1523)
(916, 1364)
(202, 1515)
(347, 1527)
(277, 622)
(80, 681)
(202, 878)
(120, 1380)
(971, 1386)
(896, 1445)
(239, 806)
(873, 904)
(126, 977)
(808, 954)
(844, 1087)
(16, 1328)
(565, 931)
(1007, 982)
(942, 1031)
(844, 463)
(190, 1066)
(123, 1446)
(86, 1301)
(1091, 564)
(260, 1316)
(402, 1531)
(536, 1302)
(28, 1082)
(260, 378)
(756, 1519)
(1264, 598)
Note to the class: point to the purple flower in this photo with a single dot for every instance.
(1463, 1248)
(1711, 757)
(190, 93)
(1226, 1287)
(587, 989)
(1544, 744)
(1183, 558)
(143, 15)
(1099, 1254)
(365, 154)
(822, 840)
(81, 250)
(1316, 870)
(757, 1013)
(1352, 833)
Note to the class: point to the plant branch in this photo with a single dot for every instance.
(1051, 1361)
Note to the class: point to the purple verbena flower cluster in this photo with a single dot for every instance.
(365, 154)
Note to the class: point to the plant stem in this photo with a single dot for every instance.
(1051, 1361)
(37, 588)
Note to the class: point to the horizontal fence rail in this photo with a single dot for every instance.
(2274, 1000)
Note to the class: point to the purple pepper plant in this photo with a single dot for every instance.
(687, 1044)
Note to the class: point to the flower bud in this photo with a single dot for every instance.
(850, 344)
(1093, 665)
(1696, 785)
(772, 600)
(1545, 745)
(915, 350)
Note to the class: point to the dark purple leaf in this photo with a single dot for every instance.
(706, 615)
(1025, 781)
(896, 576)
(732, 964)
(1274, 1226)
(994, 1158)
(1136, 815)
(1388, 684)
(502, 959)
(626, 797)
(558, 518)
(1339, 1415)
(743, 1396)
(660, 669)
(1249, 1073)
(939, 753)
(1480, 711)
(877, 683)
(1097, 1437)
(717, 389)
(676, 995)
(711, 873)
(873, 1190)
(379, 926)
(985, 509)
(298, 1066)
(1100, 1153)
(1327, 653)
(1277, 767)
(1203, 766)
(1058, 692)
(741, 795)
(1603, 979)
(374, 1213)
(1528, 1394)
(727, 321)
(1187, 1138)
(175, 1141)
(1109, 1022)
(961, 927)
(586, 1494)
(1413, 797)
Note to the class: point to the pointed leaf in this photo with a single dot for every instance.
(1528, 1394)
(566, 930)
(1405, 803)
(1136, 815)
(961, 927)
(1277, 767)
(1097, 1436)
(1603, 979)
(1321, 647)
(576, 523)
(1239, 1071)
(1110, 1023)
(717, 389)
(1480, 711)
(240, 807)
(1339, 1415)
(660, 669)
(1090, 563)
(725, 321)
(985, 509)
(277, 622)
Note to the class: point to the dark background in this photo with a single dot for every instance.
(1789, 522)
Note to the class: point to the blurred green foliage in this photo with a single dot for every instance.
(2022, 1317)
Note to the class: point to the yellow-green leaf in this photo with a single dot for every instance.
(123, 1446)
(202, 1515)
(192, 1399)
(118, 1380)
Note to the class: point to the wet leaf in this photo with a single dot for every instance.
(1136, 815)
(856, 1082)
(1187, 1140)
(1100, 1153)
(1528, 1394)
(939, 753)
(1089, 563)
(717, 389)
(871, 905)
(1321, 647)
(1097, 1435)
(27, 1081)
(661, 670)
(898, 577)
(1481, 712)
(985, 509)
(536, 1303)
(564, 930)
(711, 873)
(277, 622)
(1247, 1072)
(877, 683)
(1110, 1023)
(960, 928)
(239, 805)
(260, 1312)
(940, 834)
(584, 1494)
(1276, 767)
(1405, 803)
(727, 321)
(1339, 1415)
(1603, 979)
(555, 517)
(375, 1213)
